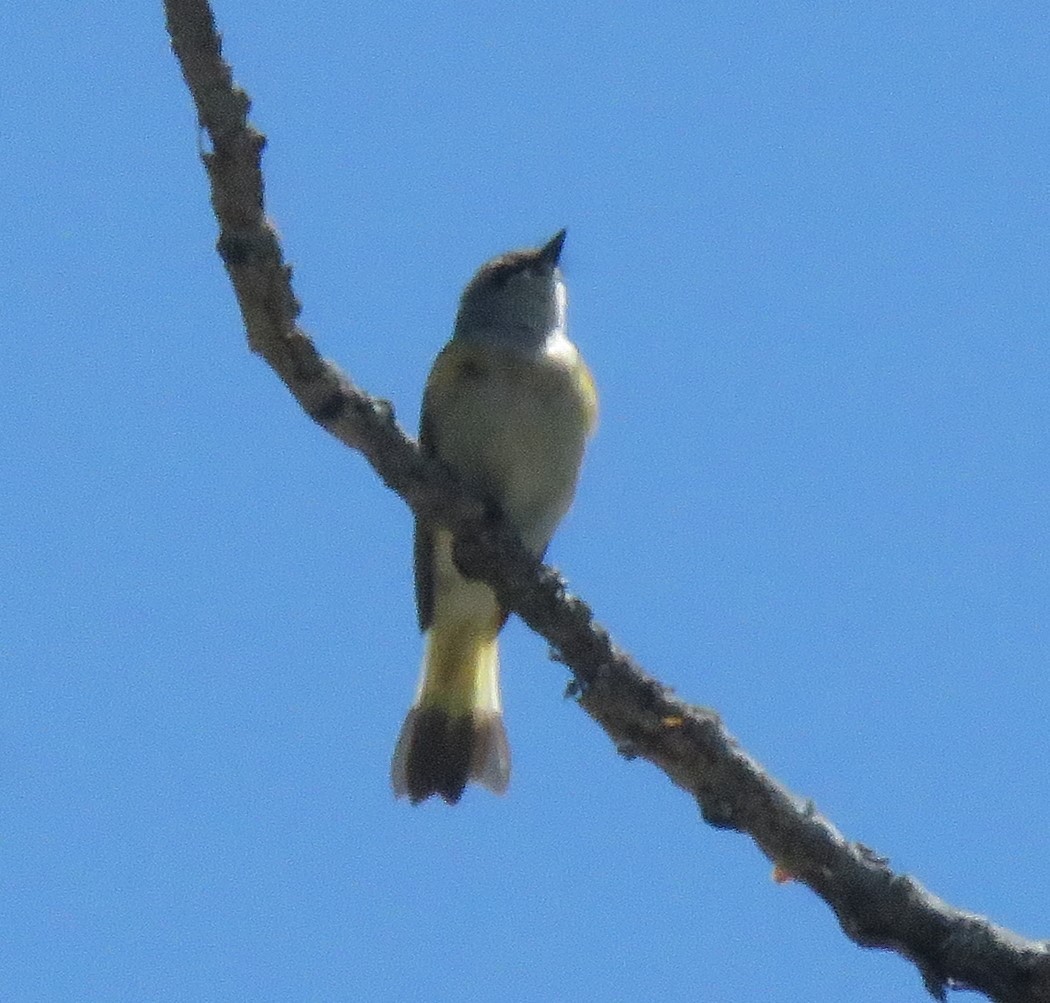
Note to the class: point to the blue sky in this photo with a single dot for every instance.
(807, 262)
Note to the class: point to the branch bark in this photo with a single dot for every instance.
(875, 907)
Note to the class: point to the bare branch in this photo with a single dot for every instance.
(875, 906)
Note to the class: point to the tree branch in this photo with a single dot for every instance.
(876, 907)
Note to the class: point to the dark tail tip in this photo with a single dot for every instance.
(440, 753)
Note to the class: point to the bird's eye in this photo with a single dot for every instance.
(471, 369)
(501, 274)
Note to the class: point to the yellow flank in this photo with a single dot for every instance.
(588, 396)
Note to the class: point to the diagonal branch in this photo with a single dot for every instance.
(875, 906)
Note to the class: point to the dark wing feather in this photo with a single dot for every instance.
(423, 541)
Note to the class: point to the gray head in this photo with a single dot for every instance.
(517, 299)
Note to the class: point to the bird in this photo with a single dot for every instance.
(509, 406)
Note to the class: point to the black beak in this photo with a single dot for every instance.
(551, 251)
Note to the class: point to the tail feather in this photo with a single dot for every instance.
(454, 732)
(439, 753)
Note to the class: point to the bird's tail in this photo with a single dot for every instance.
(454, 733)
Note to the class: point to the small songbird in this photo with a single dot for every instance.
(508, 405)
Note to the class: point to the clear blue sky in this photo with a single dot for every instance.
(807, 261)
